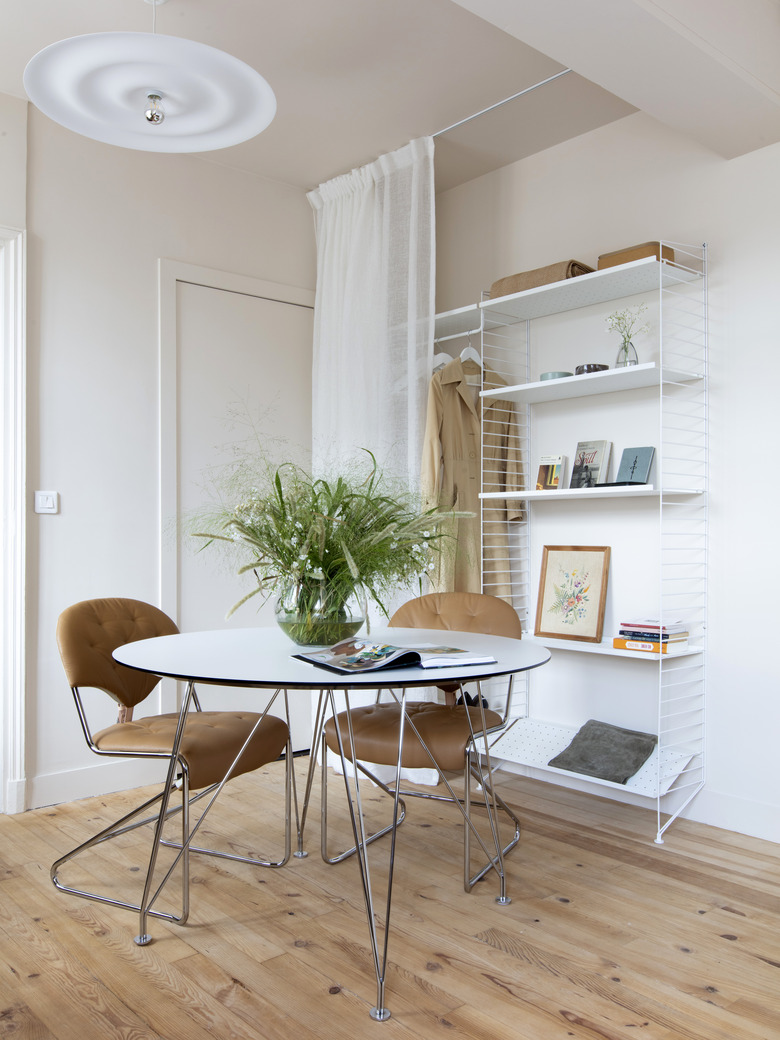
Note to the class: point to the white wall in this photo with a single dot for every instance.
(634, 181)
(13, 165)
(98, 219)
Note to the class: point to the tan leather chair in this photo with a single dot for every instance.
(87, 634)
(435, 734)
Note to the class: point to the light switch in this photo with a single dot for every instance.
(47, 502)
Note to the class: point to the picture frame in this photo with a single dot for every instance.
(573, 592)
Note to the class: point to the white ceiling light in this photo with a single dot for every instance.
(149, 92)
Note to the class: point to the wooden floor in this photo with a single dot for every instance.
(608, 935)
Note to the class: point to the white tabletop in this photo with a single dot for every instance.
(262, 657)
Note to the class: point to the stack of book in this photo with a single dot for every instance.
(652, 637)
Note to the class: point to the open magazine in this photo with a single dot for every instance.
(358, 655)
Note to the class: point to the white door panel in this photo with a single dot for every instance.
(243, 361)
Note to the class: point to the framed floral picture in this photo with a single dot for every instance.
(573, 592)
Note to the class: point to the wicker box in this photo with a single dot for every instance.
(515, 283)
(625, 256)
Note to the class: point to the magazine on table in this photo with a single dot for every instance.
(360, 655)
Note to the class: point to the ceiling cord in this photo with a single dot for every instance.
(498, 104)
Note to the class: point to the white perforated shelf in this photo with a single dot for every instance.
(591, 494)
(614, 380)
(599, 287)
(531, 742)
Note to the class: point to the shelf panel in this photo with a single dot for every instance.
(614, 380)
(586, 290)
(606, 648)
(531, 742)
(459, 322)
(591, 494)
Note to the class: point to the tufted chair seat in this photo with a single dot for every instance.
(87, 634)
(446, 730)
(209, 743)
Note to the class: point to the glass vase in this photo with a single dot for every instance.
(312, 613)
(626, 355)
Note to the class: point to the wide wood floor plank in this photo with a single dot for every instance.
(608, 936)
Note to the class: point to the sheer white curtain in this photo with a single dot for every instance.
(373, 321)
(373, 315)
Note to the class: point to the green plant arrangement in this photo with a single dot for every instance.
(627, 324)
(320, 543)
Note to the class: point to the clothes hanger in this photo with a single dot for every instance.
(470, 353)
(440, 360)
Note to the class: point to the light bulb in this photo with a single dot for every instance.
(154, 112)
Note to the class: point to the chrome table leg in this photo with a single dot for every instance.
(379, 1013)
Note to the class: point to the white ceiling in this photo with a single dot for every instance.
(357, 78)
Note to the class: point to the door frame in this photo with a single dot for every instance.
(13, 251)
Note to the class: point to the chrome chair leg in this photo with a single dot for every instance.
(120, 826)
(145, 907)
(143, 937)
(319, 725)
(324, 809)
(494, 862)
(494, 856)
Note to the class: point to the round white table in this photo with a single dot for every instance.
(263, 658)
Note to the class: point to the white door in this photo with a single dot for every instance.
(243, 371)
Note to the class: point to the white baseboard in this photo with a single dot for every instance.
(757, 819)
(714, 808)
(88, 781)
(15, 797)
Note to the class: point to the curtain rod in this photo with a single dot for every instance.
(498, 104)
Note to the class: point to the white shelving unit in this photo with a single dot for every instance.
(533, 330)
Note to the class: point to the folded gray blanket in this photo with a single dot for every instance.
(607, 752)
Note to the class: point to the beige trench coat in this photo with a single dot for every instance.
(451, 474)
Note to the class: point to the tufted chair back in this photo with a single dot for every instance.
(88, 633)
(460, 612)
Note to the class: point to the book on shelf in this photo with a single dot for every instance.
(663, 637)
(678, 646)
(549, 476)
(635, 465)
(358, 655)
(591, 464)
(654, 625)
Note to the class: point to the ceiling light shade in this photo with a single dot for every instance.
(99, 85)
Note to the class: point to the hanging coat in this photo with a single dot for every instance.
(451, 479)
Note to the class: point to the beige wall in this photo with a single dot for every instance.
(98, 220)
(634, 181)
